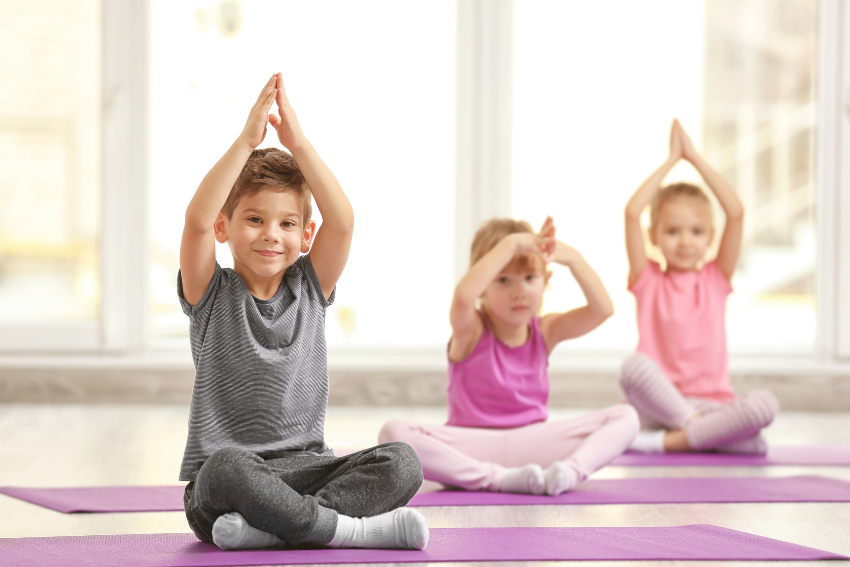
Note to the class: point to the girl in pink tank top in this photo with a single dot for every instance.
(497, 437)
(678, 380)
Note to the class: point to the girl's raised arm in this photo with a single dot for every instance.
(466, 324)
(557, 327)
(640, 199)
(730, 242)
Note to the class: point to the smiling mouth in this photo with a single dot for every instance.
(268, 253)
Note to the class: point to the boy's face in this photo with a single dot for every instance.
(266, 232)
(515, 295)
(683, 233)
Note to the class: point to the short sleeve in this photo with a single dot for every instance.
(313, 278)
(650, 273)
(206, 300)
(716, 279)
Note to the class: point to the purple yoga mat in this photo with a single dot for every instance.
(659, 491)
(696, 542)
(804, 455)
(102, 498)
(606, 491)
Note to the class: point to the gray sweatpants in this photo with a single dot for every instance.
(298, 497)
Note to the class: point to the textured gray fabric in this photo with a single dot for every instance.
(261, 371)
(297, 497)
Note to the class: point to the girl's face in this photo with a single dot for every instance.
(516, 294)
(683, 232)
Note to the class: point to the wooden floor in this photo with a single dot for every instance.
(61, 445)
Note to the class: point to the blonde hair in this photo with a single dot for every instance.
(492, 232)
(271, 169)
(673, 192)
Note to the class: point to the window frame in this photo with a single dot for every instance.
(483, 161)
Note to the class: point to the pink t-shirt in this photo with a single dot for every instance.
(498, 385)
(681, 320)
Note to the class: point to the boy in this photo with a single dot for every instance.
(259, 470)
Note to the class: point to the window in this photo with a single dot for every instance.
(373, 85)
(596, 87)
(50, 162)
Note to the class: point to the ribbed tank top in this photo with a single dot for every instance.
(498, 385)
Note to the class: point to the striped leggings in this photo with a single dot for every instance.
(732, 426)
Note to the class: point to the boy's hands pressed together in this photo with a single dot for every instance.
(255, 128)
(285, 123)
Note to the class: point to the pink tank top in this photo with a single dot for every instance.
(500, 386)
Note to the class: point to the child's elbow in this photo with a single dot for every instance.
(345, 224)
(736, 214)
(606, 311)
(633, 213)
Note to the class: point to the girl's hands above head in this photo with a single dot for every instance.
(542, 244)
(566, 255)
(547, 236)
(288, 130)
(255, 128)
(689, 151)
(676, 149)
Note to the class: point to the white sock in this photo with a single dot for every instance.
(231, 531)
(403, 528)
(649, 442)
(559, 479)
(524, 480)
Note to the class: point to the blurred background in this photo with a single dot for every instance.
(434, 116)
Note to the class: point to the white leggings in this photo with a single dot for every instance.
(475, 458)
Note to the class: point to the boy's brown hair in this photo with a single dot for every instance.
(273, 169)
(673, 192)
(492, 232)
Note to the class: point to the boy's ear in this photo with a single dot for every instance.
(309, 234)
(220, 228)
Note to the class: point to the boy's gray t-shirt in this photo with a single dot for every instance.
(261, 368)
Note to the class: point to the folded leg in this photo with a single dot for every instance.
(477, 458)
(734, 426)
(657, 401)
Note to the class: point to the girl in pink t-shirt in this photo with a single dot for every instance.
(497, 437)
(678, 379)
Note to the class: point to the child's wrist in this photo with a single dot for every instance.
(243, 143)
(299, 146)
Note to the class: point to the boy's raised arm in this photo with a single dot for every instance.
(733, 233)
(635, 247)
(197, 247)
(333, 241)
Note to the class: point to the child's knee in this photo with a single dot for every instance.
(629, 416)
(406, 469)
(226, 466)
(633, 371)
(392, 431)
(763, 407)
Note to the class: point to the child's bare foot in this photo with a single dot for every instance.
(231, 531)
(403, 528)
